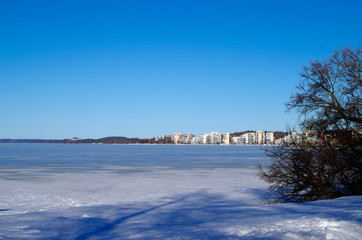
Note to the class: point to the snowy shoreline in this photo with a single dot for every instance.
(163, 200)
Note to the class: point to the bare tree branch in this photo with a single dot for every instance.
(327, 162)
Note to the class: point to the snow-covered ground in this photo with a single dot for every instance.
(204, 193)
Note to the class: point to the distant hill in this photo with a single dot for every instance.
(30, 141)
(106, 140)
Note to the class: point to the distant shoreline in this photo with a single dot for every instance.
(138, 144)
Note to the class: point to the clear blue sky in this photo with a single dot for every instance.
(149, 68)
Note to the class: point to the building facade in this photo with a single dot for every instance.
(269, 138)
(260, 137)
(225, 138)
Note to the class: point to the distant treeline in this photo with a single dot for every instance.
(30, 141)
(107, 140)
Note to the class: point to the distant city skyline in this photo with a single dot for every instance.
(250, 137)
(91, 69)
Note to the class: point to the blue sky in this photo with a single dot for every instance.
(149, 68)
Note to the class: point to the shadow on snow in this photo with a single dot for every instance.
(200, 215)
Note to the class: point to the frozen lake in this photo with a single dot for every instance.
(55, 191)
(66, 157)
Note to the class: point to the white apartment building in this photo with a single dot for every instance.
(225, 138)
(207, 138)
(246, 138)
(182, 138)
(236, 140)
(215, 138)
(198, 139)
(260, 137)
(250, 138)
(269, 138)
(201, 139)
(294, 136)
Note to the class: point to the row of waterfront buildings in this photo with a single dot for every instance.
(257, 137)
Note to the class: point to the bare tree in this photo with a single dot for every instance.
(325, 160)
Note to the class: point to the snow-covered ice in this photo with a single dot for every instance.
(155, 192)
